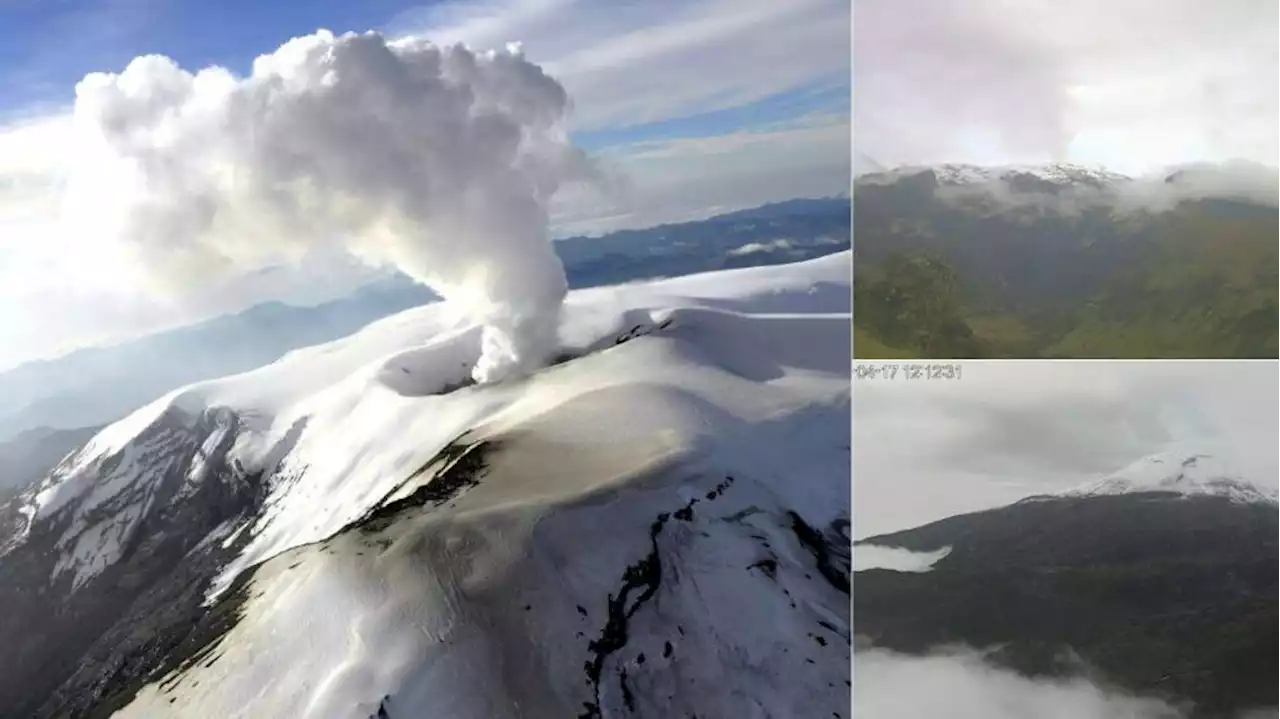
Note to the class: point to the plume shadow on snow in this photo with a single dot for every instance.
(635, 644)
(738, 350)
(457, 467)
(427, 552)
(613, 680)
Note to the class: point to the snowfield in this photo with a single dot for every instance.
(1186, 473)
(655, 525)
(965, 174)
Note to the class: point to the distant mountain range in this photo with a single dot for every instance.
(1066, 261)
(30, 455)
(775, 233)
(94, 386)
(1167, 591)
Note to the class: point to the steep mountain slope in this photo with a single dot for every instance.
(356, 531)
(27, 459)
(1166, 587)
(102, 384)
(1064, 261)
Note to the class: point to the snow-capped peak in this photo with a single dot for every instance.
(1181, 473)
(967, 174)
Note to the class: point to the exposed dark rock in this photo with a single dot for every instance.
(644, 576)
(831, 553)
(640, 331)
(96, 645)
(457, 467)
(29, 456)
(641, 580)
(142, 618)
(627, 697)
(768, 566)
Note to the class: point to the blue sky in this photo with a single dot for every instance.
(701, 106)
(829, 95)
(47, 46)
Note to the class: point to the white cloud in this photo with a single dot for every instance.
(871, 556)
(692, 178)
(626, 64)
(622, 64)
(32, 151)
(60, 291)
(958, 684)
(925, 450)
(752, 248)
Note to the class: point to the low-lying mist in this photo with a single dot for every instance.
(957, 683)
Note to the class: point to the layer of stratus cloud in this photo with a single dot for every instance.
(871, 556)
(959, 684)
(438, 161)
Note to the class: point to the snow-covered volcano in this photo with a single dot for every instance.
(656, 525)
(1130, 585)
(1184, 473)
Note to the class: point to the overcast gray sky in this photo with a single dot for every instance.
(1133, 85)
(925, 450)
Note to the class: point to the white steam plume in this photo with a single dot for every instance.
(439, 161)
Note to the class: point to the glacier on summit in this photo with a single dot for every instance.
(1184, 473)
(655, 524)
(960, 173)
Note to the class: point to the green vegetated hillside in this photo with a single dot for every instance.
(908, 305)
(941, 278)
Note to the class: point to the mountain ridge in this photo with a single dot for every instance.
(964, 173)
(96, 385)
(1162, 595)
(611, 514)
(1060, 268)
(1186, 474)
